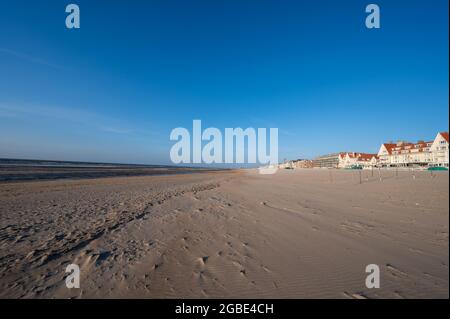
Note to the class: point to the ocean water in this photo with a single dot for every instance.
(29, 170)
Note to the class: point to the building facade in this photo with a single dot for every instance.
(299, 163)
(406, 154)
(327, 161)
(439, 150)
(303, 164)
(400, 154)
(353, 159)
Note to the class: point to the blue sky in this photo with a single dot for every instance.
(113, 90)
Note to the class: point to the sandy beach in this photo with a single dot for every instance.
(228, 234)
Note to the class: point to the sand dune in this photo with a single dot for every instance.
(295, 234)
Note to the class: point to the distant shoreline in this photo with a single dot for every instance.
(19, 170)
(60, 163)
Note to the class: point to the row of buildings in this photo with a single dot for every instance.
(400, 154)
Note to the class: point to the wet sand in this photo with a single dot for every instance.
(20, 173)
(295, 234)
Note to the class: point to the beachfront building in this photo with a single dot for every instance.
(405, 154)
(400, 154)
(286, 164)
(439, 150)
(303, 163)
(384, 154)
(327, 161)
(353, 159)
(346, 160)
(342, 160)
(299, 163)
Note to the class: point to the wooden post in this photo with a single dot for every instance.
(360, 181)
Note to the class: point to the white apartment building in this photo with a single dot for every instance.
(439, 150)
(404, 154)
(352, 159)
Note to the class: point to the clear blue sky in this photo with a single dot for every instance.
(113, 90)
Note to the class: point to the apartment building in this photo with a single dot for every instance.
(299, 163)
(327, 161)
(406, 154)
(400, 154)
(439, 150)
(302, 163)
(353, 159)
